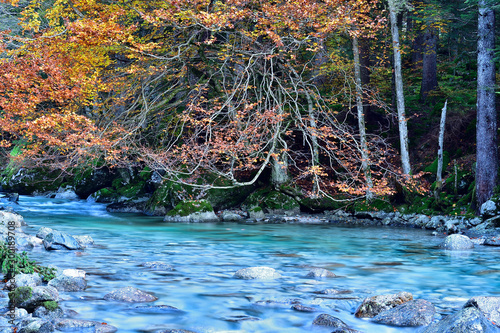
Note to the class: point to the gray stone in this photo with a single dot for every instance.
(11, 219)
(325, 319)
(488, 305)
(66, 193)
(457, 242)
(36, 325)
(68, 283)
(24, 280)
(417, 312)
(492, 241)
(129, 294)
(231, 216)
(75, 324)
(197, 217)
(421, 220)
(372, 306)
(303, 308)
(320, 273)
(488, 209)
(157, 266)
(43, 232)
(262, 273)
(51, 315)
(84, 240)
(256, 213)
(467, 320)
(57, 240)
(30, 298)
(475, 221)
(435, 222)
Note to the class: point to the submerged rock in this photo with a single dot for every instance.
(129, 294)
(48, 314)
(157, 266)
(320, 273)
(84, 240)
(374, 305)
(175, 330)
(80, 325)
(457, 242)
(417, 312)
(36, 325)
(469, 320)
(303, 308)
(57, 240)
(325, 319)
(261, 273)
(156, 309)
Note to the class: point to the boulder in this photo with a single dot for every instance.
(43, 232)
(192, 211)
(470, 320)
(261, 273)
(30, 298)
(66, 193)
(48, 314)
(11, 219)
(85, 184)
(488, 305)
(129, 294)
(57, 240)
(84, 240)
(80, 325)
(24, 280)
(233, 216)
(488, 209)
(492, 241)
(256, 213)
(36, 325)
(68, 283)
(318, 273)
(325, 319)
(457, 242)
(417, 312)
(372, 306)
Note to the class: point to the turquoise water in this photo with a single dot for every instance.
(368, 261)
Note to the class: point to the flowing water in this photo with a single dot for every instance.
(368, 261)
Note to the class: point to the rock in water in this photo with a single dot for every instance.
(320, 273)
(129, 294)
(261, 273)
(468, 320)
(57, 240)
(457, 242)
(488, 305)
(374, 305)
(325, 319)
(417, 312)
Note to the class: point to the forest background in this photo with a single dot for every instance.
(359, 104)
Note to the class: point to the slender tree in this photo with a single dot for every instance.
(395, 7)
(486, 130)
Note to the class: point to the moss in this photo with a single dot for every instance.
(20, 295)
(255, 209)
(432, 168)
(270, 199)
(186, 208)
(50, 305)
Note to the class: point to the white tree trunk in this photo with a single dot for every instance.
(279, 171)
(365, 165)
(400, 102)
(442, 124)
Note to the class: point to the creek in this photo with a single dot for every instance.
(368, 261)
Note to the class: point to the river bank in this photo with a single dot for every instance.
(202, 265)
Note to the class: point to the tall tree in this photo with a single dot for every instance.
(395, 6)
(486, 130)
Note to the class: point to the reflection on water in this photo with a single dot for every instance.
(368, 261)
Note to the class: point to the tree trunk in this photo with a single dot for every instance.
(439, 172)
(398, 77)
(486, 130)
(429, 67)
(279, 171)
(365, 165)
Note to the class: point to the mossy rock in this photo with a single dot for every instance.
(50, 305)
(29, 181)
(186, 208)
(20, 295)
(228, 198)
(272, 201)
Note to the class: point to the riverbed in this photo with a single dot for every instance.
(367, 261)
